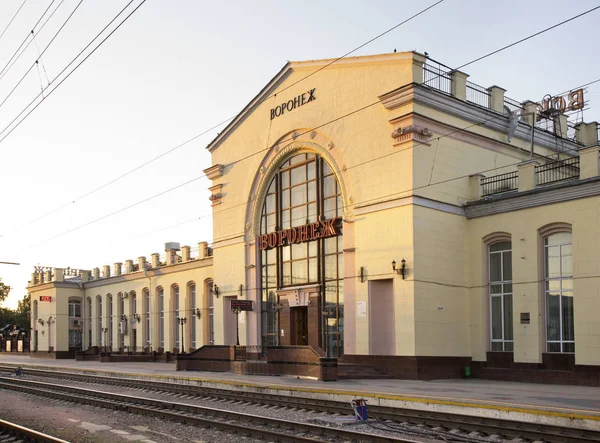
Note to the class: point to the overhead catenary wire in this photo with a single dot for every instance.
(12, 19)
(317, 127)
(39, 58)
(24, 111)
(4, 69)
(129, 172)
(33, 34)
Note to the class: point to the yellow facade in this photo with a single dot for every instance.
(411, 157)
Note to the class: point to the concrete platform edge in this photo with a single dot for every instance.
(574, 418)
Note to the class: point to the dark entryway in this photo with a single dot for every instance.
(300, 326)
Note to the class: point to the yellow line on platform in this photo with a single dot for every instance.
(573, 414)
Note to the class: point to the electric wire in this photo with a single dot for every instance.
(2, 72)
(12, 19)
(317, 127)
(32, 33)
(70, 72)
(40, 56)
(93, 191)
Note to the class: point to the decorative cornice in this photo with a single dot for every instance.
(486, 117)
(540, 196)
(215, 194)
(215, 171)
(410, 133)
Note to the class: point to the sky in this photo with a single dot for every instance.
(177, 68)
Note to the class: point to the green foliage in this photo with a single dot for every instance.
(4, 290)
(19, 316)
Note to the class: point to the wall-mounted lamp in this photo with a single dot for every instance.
(41, 321)
(362, 274)
(123, 317)
(197, 312)
(215, 290)
(401, 270)
(277, 306)
(135, 317)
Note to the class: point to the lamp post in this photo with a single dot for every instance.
(182, 321)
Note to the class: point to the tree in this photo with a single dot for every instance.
(4, 290)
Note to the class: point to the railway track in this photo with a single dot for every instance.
(11, 432)
(483, 425)
(255, 426)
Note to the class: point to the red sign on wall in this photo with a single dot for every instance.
(45, 298)
(300, 234)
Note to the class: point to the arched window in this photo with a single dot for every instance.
(160, 293)
(88, 318)
(122, 320)
(146, 295)
(133, 311)
(110, 321)
(75, 323)
(175, 322)
(500, 295)
(209, 330)
(558, 270)
(303, 191)
(193, 306)
(100, 325)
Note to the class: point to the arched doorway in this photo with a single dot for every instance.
(301, 256)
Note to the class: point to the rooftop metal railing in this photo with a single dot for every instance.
(500, 183)
(557, 171)
(478, 95)
(438, 77)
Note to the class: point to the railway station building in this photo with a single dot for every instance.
(383, 216)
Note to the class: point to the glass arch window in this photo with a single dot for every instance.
(560, 317)
(501, 303)
(304, 190)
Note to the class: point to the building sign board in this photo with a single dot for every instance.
(242, 305)
(300, 234)
(296, 102)
(45, 298)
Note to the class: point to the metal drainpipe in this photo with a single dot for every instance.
(149, 303)
(80, 284)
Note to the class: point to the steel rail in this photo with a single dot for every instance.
(470, 423)
(251, 425)
(9, 431)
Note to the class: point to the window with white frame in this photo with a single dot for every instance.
(500, 293)
(175, 295)
(99, 311)
(211, 315)
(192, 294)
(161, 324)
(110, 321)
(558, 266)
(147, 316)
(74, 309)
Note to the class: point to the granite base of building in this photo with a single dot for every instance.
(557, 369)
(301, 361)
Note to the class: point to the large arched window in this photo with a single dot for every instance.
(175, 317)
(110, 321)
(500, 293)
(558, 269)
(303, 191)
(99, 317)
(160, 293)
(193, 305)
(146, 309)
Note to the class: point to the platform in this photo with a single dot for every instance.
(562, 405)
